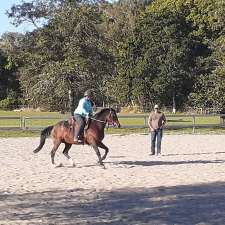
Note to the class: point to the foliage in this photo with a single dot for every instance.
(9, 84)
(130, 52)
(9, 102)
(67, 53)
(209, 88)
(155, 61)
(170, 52)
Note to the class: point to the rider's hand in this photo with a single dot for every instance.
(151, 129)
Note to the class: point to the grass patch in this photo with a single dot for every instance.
(19, 133)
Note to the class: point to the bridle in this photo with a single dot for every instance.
(112, 122)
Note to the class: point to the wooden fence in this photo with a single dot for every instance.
(182, 121)
(127, 121)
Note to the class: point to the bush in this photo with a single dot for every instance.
(8, 103)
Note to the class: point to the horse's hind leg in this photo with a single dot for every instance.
(98, 154)
(65, 152)
(101, 145)
(54, 149)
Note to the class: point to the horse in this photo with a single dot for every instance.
(63, 132)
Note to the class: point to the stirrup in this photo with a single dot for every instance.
(77, 141)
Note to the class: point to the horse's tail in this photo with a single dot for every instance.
(44, 134)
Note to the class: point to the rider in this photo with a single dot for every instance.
(81, 114)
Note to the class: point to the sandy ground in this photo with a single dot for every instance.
(186, 185)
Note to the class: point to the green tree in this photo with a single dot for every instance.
(158, 60)
(69, 52)
(9, 84)
(171, 51)
(118, 27)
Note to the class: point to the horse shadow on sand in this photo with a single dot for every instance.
(183, 205)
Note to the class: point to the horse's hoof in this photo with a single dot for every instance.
(72, 164)
(103, 166)
(57, 165)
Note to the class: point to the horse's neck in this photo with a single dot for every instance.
(99, 121)
(96, 128)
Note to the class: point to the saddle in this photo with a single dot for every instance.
(74, 126)
(72, 123)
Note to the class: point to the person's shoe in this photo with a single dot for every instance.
(152, 153)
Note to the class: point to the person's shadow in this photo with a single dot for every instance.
(165, 163)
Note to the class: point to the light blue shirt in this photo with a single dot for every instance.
(84, 107)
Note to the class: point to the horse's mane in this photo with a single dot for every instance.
(101, 112)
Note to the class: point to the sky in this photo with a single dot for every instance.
(5, 25)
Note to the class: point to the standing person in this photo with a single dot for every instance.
(81, 114)
(156, 122)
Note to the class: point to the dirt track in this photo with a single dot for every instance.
(186, 185)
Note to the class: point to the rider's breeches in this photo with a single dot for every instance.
(81, 124)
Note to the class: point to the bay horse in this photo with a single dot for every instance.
(63, 132)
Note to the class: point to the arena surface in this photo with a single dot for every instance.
(186, 185)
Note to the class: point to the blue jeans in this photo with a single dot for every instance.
(156, 138)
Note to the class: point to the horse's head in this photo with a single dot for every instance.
(112, 118)
(107, 115)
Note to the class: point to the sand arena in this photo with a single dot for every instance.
(186, 185)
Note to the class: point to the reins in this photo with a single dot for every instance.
(101, 121)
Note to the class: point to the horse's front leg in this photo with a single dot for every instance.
(54, 149)
(66, 151)
(99, 155)
(101, 145)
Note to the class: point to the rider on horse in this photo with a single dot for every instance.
(81, 114)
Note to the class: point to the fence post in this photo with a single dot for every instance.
(193, 130)
(222, 120)
(23, 125)
(146, 121)
(21, 122)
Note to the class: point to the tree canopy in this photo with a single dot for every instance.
(130, 52)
